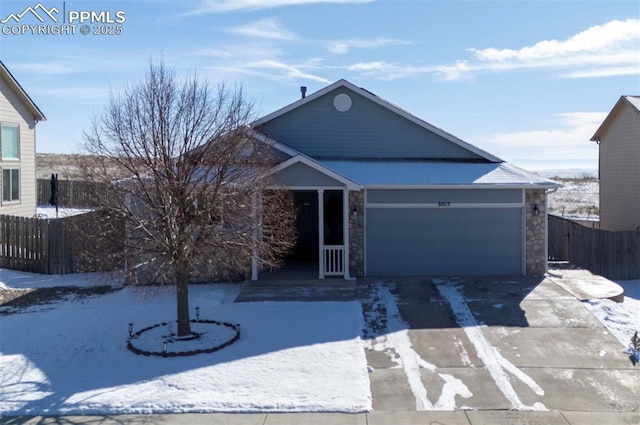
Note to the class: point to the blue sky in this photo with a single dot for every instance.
(528, 81)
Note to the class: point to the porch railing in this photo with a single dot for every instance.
(333, 259)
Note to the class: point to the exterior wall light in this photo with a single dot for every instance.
(354, 211)
(536, 210)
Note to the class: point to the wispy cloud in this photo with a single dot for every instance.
(221, 6)
(566, 138)
(268, 28)
(214, 53)
(571, 129)
(284, 70)
(602, 50)
(56, 67)
(604, 72)
(343, 46)
(77, 61)
(389, 71)
(263, 61)
(595, 39)
(88, 92)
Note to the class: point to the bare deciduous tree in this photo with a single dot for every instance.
(194, 182)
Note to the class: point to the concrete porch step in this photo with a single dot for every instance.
(302, 290)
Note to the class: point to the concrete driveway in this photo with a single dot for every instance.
(492, 344)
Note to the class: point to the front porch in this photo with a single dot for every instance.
(322, 202)
(321, 250)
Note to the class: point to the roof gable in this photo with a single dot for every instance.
(300, 171)
(632, 102)
(345, 121)
(13, 84)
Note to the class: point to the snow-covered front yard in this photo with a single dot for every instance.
(621, 319)
(47, 211)
(71, 357)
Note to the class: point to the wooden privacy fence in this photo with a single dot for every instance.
(83, 243)
(71, 193)
(615, 255)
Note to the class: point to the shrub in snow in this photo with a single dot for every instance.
(634, 348)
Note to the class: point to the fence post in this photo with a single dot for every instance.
(565, 239)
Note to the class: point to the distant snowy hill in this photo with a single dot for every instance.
(579, 197)
(569, 173)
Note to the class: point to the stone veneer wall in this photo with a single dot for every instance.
(536, 232)
(356, 234)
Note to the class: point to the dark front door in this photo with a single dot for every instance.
(333, 227)
(306, 204)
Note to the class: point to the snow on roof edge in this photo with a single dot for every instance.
(404, 174)
(634, 100)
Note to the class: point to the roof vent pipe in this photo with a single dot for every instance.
(303, 91)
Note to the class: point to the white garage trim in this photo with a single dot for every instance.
(480, 186)
(451, 205)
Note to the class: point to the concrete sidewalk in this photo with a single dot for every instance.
(470, 417)
(583, 284)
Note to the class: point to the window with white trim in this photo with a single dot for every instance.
(10, 141)
(10, 184)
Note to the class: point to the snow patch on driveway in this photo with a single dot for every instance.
(397, 344)
(494, 361)
(621, 319)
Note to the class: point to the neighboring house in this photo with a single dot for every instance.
(380, 192)
(18, 118)
(618, 138)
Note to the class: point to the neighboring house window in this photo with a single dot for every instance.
(10, 142)
(10, 184)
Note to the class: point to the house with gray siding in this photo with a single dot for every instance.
(618, 139)
(380, 192)
(18, 118)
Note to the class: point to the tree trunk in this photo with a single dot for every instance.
(182, 293)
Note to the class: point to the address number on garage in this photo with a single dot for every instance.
(444, 204)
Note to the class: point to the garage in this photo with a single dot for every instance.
(444, 232)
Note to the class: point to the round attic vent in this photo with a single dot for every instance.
(342, 102)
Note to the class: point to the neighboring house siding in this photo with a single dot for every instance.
(620, 172)
(366, 130)
(14, 112)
